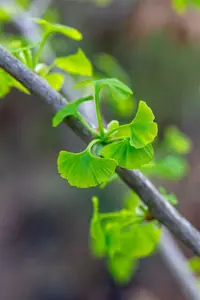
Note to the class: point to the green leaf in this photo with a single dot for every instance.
(110, 67)
(62, 29)
(8, 82)
(177, 141)
(143, 129)
(83, 169)
(76, 63)
(170, 167)
(112, 178)
(114, 124)
(127, 156)
(117, 88)
(112, 231)
(55, 80)
(5, 83)
(141, 240)
(194, 264)
(97, 237)
(16, 84)
(122, 267)
(132, 202)
(17, 48)
(4, 15)
(169, 197)
(69, 110)
(42, 69)
(179, 5)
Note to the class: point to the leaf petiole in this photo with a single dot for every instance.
(98, 113)
(109, 133)
(104, 216)
(42, 44)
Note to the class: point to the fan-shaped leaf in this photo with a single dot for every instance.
(76, 63)
(194, 264)
(143, 129)
(121, 267)
(62, 29)
(97, 241)
(170, 167)
(117, 88)
(141, 240)
(169, 197)
(69, 110)
(55, 80)
(177, 141)
(127, 156)
(84, 170)
(5, 83)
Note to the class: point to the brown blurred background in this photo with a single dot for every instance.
(44, 222)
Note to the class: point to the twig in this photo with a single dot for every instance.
(167, 245)
(156, 203)
(170, 253)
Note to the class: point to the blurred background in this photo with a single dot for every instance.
(44, 223)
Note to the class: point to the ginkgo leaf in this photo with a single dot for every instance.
(62, 29)
(112, 125)
(127, 156)
(69, 110)
(42, 69)
(84, 170)
(194, 264)
(112, 231)
(14, 49)
(76, 63)
(5, 83)
(141, 240)
(16, 84)
(117, 88)
(55, 80)
(169, 197)
(170, 167)
(97, 240)
(121, 267)
(143, 129)
(177, 141)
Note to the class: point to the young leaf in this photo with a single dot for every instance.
(116, 87)
(84, 170)
(69, 110)
(132, 203)
(114, 124)
(42, 69)
(97, 241)
(16, 84)
(112, 231)
(141, 240)
(55, 80)
(177, 141)
(62, 29)
(170, 167)
(112, 178)
(143, 129)
(169, 197)
(194, 264)
(121, 267)
(127, 156)
(5, 83)
(76, 63)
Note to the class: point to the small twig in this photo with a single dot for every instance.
(170, 253)
(186, 281)
(156, 203)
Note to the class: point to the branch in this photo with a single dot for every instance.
(177, 265)
(156, 203)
